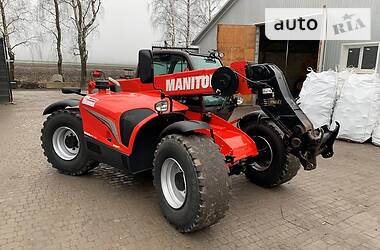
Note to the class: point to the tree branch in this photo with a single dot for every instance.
(95, 11)
(22, 43)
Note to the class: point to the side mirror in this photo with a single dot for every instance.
(145, 67)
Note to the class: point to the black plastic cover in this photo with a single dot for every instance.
(61, 105)
(129, 120)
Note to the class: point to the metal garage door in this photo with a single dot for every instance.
(5, 90)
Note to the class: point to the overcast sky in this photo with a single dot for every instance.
(125, 27)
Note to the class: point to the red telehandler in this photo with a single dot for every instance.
(173, 119)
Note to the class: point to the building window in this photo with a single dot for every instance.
(364, 56)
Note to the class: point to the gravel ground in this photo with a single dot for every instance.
(336, 206)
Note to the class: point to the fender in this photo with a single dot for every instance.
(146, 135)
(253, 117)
(184, 127)
(129, 120)
(234, 144)
(61, 105)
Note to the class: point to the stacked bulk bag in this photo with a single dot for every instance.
(343, 76)
(358, 107)
(317, 97)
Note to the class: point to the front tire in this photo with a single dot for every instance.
(191, 181)
(63, 143)
(274, 165)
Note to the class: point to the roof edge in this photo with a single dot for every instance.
(213, 22)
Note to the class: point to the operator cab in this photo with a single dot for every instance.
(175, 61)
(172, 61)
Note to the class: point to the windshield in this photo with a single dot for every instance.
(203, 62)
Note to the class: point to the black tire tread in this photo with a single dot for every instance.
(91, 164)
(214, 182)
(288, 169)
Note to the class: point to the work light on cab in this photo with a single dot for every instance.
(161, 106)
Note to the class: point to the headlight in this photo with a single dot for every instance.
(239, 100)
(161, 106)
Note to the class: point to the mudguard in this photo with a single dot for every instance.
(61, 105)
(255, 116)
(129, 120)
(184, 127)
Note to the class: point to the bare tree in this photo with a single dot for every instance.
(176, 18)
(15, 17)
(84, 15)
(181, 20)
(207, 10)
(164, 15)
(188, 19)
(51, 15)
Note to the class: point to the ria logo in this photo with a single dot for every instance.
(188, 83)
(350, 23)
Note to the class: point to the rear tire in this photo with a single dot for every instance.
(63, 143)
(197, 193)
(274, 165)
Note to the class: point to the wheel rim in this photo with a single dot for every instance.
(66, 143)
(265, 157)
(173, 183)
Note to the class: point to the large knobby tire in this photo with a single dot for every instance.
(274, 165)
(192, 182)
(63, 143)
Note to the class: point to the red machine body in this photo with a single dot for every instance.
(176, 124)
(115, 118)
(135, 95)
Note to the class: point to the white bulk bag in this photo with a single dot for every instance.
(358, 107)
(318, 96)
(343, 76)
(376, 135)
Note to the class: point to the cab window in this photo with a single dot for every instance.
(202, 62)
(181, 66)
(169, 64)
(160, 68)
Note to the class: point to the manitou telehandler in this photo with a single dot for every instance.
(173, 119)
